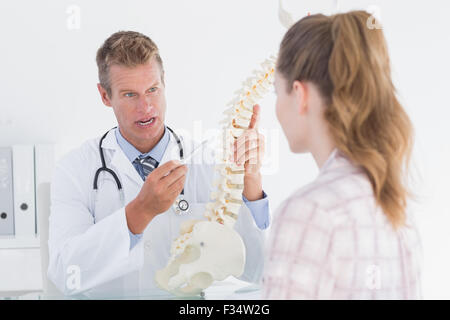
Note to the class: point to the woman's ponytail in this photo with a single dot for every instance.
(365, 118)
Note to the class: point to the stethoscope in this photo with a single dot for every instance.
(181, 205)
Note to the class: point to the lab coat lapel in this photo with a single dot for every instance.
(119, 160)
(172, 151)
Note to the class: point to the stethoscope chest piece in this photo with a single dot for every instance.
(181, 206)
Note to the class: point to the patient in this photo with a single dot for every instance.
(346, 235)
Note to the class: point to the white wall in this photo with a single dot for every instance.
(48, 82)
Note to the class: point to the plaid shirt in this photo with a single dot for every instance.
(330, 240)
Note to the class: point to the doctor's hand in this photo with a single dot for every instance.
(158, 193)
(249, 150)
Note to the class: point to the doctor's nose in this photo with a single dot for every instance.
(145, 105)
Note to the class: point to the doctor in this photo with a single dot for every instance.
(111, 229)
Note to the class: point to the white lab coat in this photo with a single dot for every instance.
(90, 237)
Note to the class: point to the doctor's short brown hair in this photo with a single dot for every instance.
(125, 48)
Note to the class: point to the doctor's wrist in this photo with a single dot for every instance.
(138, 217)
(253, 187)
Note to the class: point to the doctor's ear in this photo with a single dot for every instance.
(104, 95)
(300, 91)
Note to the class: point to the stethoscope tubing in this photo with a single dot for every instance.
(113, 174)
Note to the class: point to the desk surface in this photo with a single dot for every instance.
(220, 290)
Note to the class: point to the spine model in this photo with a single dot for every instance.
(211, 249)
(227, 200)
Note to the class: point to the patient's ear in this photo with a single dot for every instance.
(104, 95)
(300, 90)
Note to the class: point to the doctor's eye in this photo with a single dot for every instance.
(129, 94)
(152, 89)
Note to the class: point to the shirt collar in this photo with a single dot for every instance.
(132, 153)
(329, 160)
(335, 160)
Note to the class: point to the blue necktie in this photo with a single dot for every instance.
(148, 164)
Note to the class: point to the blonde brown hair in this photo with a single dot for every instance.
(126, 48)
(349, 63)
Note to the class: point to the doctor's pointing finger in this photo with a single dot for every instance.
(249, 151)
